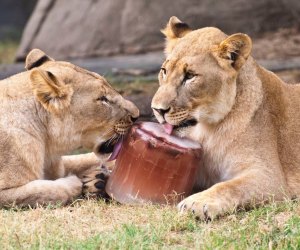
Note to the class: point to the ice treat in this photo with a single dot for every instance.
(153, 166)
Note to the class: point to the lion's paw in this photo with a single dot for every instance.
(202, 208)
(94, 183)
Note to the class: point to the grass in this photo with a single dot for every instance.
(90, 224)
(135, 87)
(8, 51)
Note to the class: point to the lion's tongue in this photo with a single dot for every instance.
(168, 128)
(117, 148)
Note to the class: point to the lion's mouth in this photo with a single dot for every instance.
(111, 146)
(184, 124)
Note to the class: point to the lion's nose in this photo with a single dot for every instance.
(162, 112)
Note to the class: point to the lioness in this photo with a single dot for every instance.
(247, 119)
(46, 112)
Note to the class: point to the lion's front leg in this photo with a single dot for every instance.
(226, 196)
(94, 182)
(90, 169)
(206, 205)
(79, 164)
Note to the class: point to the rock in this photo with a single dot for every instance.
(75, 28)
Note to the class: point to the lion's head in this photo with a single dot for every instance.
(198, 78)
(84, 102)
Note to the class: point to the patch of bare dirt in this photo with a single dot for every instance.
(290, 76)
(283, 44)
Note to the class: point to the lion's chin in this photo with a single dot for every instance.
(182, 132)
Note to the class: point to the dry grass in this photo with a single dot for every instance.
(90, 224)
(136, 87)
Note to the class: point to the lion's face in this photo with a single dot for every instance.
(198, 78)
(85, 102)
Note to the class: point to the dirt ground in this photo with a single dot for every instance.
(289, 76)
(283, 44)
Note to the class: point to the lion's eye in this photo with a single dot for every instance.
(164, 72)
(103, 99)
(188, 76)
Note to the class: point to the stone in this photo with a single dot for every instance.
(76, 28)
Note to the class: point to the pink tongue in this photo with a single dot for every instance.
(168, 128)
(117, 148)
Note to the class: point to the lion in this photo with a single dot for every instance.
(47, 112)
(246, 119)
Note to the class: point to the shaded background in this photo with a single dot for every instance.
(13, 16)
(91, 28)
(121, 39)
(76, 28)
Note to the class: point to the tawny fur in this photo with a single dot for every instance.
(247, 121)
(47, 112)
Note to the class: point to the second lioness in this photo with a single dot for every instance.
(247, 119)
(46, 112)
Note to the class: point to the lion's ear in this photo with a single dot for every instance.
(36, 58)
(236, 48)
(52, 93)
(175, 29)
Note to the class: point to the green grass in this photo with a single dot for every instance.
(90, 224)
(8, 51)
